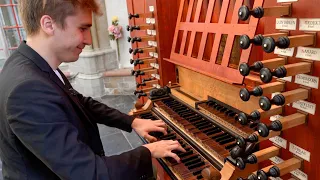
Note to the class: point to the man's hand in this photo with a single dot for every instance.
(164, 148)
(144, 126)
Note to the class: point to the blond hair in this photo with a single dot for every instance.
(31, 11)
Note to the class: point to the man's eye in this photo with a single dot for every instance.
(83, 29)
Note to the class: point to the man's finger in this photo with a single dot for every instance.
(174, 156)
(161, 124)
(161, 129)
(157, 129)
(176, 147)
(150, 138)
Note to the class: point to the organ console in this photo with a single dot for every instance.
(273, 130)
(260, 90)
(259, 12)
(140, 27)
(142, 15)
(141, 39)
(201, 67)
(142, 50)
(286, 70)
(269, 44)
(245, 69)
(283, 98)
(280, 169)
(257, 157)
(245, 40)
(259, 114)
(135, 62)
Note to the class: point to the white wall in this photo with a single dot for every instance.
(119, 8)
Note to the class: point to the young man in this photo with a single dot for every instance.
(48, 130)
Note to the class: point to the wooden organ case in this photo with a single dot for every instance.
(235, 80)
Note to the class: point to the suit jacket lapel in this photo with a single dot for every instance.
(72, 94)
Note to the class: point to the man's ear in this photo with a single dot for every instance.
(47, 24)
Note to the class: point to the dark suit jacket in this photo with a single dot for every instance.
(49, 131)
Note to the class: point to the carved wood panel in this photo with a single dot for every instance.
(207, 35)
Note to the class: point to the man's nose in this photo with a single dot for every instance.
(87, 38)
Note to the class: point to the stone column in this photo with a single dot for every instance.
(87, 72)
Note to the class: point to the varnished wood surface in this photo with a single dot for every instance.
(277, 11)
(273, 87)
(275, 110)
(274, 63)
(298, 68)
(220, 19)
(203, 86)
(302, 40)
(293, 120)
(295, 95)
(289, 165)
(267, 153)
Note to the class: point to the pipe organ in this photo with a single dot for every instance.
(236, 82)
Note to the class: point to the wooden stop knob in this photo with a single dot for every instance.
(211, 173)
(138, 105)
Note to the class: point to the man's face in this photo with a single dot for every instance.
(68, 42)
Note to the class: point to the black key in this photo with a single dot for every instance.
(221, 135)
(196, 165)
(223, 109)
(195, 118)
(190, 152)
(226, 141)
(197, 172)
(211, 129)
(194, 161)
(213, 132)
(199, 123)
(173, 136)
(189, 158)
(204, 126)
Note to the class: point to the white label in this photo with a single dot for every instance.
(289, 78)
(153, 32)
(150, 43)
(149, 32)
(309, 24)
(156, 86)
(276, 160)
(306, 80)
(285, 52)
(156, 76)
(151, 8)
(152, 20)
(282, 1)
(276, 117)
(299, 152)
(155, 55)
(151, 54)
(299, 174)
(155, 65)
(286, 23)
(148, 20)
(154, 43)
(305, 106)
(308, 53)
(277, 178)
(279, 141)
